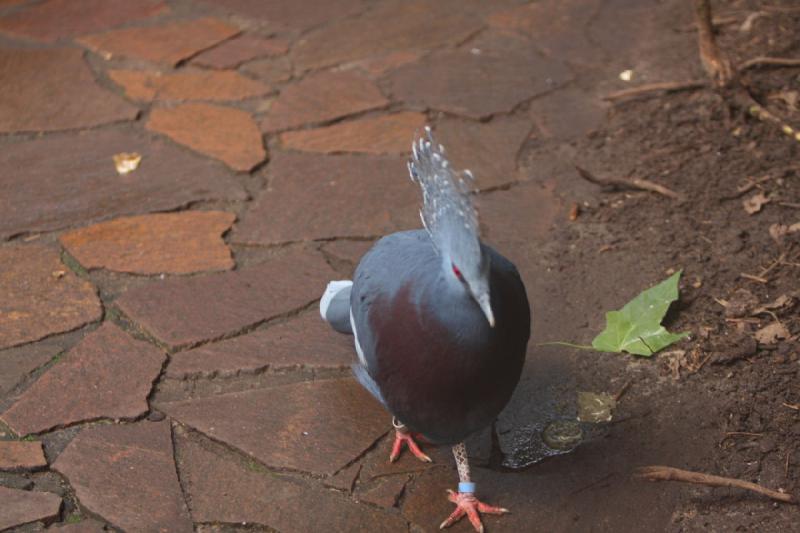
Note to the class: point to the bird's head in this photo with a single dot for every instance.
(451, 220)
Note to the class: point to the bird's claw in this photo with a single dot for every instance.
(404, 436)
(468, 504)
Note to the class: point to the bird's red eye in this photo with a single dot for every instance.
(458, 273)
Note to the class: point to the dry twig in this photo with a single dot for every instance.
(667, 473)
(763, 61)
(632, 183)
(668, 87)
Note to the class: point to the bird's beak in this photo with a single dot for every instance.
(486, 307)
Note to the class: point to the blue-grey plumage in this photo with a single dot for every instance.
(440, 321)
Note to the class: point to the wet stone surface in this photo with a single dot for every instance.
(126, 475)
(23, 507)
(107, 375)
(41, 296)
(322, 97)
(56, 19)
(346, 197)
(298, 426)
(182, 312)
(43, 196)
(302, 342)
(225, 133)
(178, 243)
(67, 98)
(167, 44)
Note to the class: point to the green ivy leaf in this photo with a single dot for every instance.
(636, 328)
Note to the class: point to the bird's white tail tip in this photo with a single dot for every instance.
(333, 288)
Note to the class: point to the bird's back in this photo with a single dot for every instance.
(438, 365)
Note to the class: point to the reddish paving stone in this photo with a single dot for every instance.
(500, 213)
(568, 113)
(18, 455)
(272, 70)
(56, 19)
(344, 255)
(349, 196)
(398, 25)
(17, 363)
(67, 98)
(23, 507)
(40, 194)
(558, 27)
(107, 375)
(86, 525)
(316, 426)
(225, 133)
(175, 243)
(385, 492)
(224, 491)
(504, 73)
(234, 52)
(302, 342)
(345, 478)
(387, 134)
(126, 474)
(41, 296)
(169, 43)
(182, 312)
(292, 15)
(377, 66)
(187, 85)
(488, 149)
(321, 97)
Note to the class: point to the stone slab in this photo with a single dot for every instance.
(175, 243)
(234, 52)
(270, 70)
(386, 134)
(321, 97)
(479, 82)
(389, 27)
(488, 149)
(66, 98)
(209, 85)
(316, 427)
(40, 194)
(222, 490)
(287, 15)
(126, 475)
(168, 44)
(87, 525)
(21, 455)
(349, 196)
(23, 507)
(385, 492)
(41, 296)
(224, 133)
(58, 19)
(182, 312)
(303, 342)
(18, 363)
(108, 375)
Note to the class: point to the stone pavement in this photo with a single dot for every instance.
(158, 332)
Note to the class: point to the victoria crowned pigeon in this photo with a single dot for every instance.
(441, 323)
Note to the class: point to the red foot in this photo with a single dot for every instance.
(468, 504)
(401, 436)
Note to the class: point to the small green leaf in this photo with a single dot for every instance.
(636, 328)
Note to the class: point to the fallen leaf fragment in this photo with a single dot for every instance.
(595, 407)
(636, 328)
(753, 204)
(126, 162)
(771, 333)
(779, 231)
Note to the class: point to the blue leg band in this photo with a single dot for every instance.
(466, 486)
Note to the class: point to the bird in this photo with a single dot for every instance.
(440, 321)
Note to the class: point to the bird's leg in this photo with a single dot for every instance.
(465, 500)
(403, 435)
